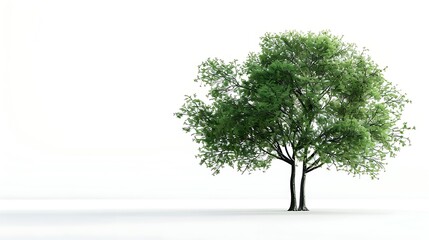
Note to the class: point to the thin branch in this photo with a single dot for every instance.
(324, 92)
(272, 155)
(279, 151)
(312, 155)
(314, 163)
(287, 152)
(247, 165)
(313, 168)
(297, 94)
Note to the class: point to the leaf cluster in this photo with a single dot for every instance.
(307, 97)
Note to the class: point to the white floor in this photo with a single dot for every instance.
(212, 219)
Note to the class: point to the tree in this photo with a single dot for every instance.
(305, 97)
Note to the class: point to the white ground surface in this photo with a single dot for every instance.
(212, 219)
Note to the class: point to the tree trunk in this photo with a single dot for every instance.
(302, 206)
(292, 189)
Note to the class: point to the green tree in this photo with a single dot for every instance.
(305, 97)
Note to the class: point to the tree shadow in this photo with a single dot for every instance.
(82, 216)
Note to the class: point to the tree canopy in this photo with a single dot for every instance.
(308, 97)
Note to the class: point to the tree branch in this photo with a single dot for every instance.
(312, 155)
(272, 155)
(314, 163)
(297, 94)
(279, 151)
(287, 152)
(313, 168)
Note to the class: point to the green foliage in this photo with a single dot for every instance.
(304, 97)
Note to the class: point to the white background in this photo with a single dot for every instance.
(88, 90)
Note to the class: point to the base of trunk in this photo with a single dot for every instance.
(303, 209)
(293, 209)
